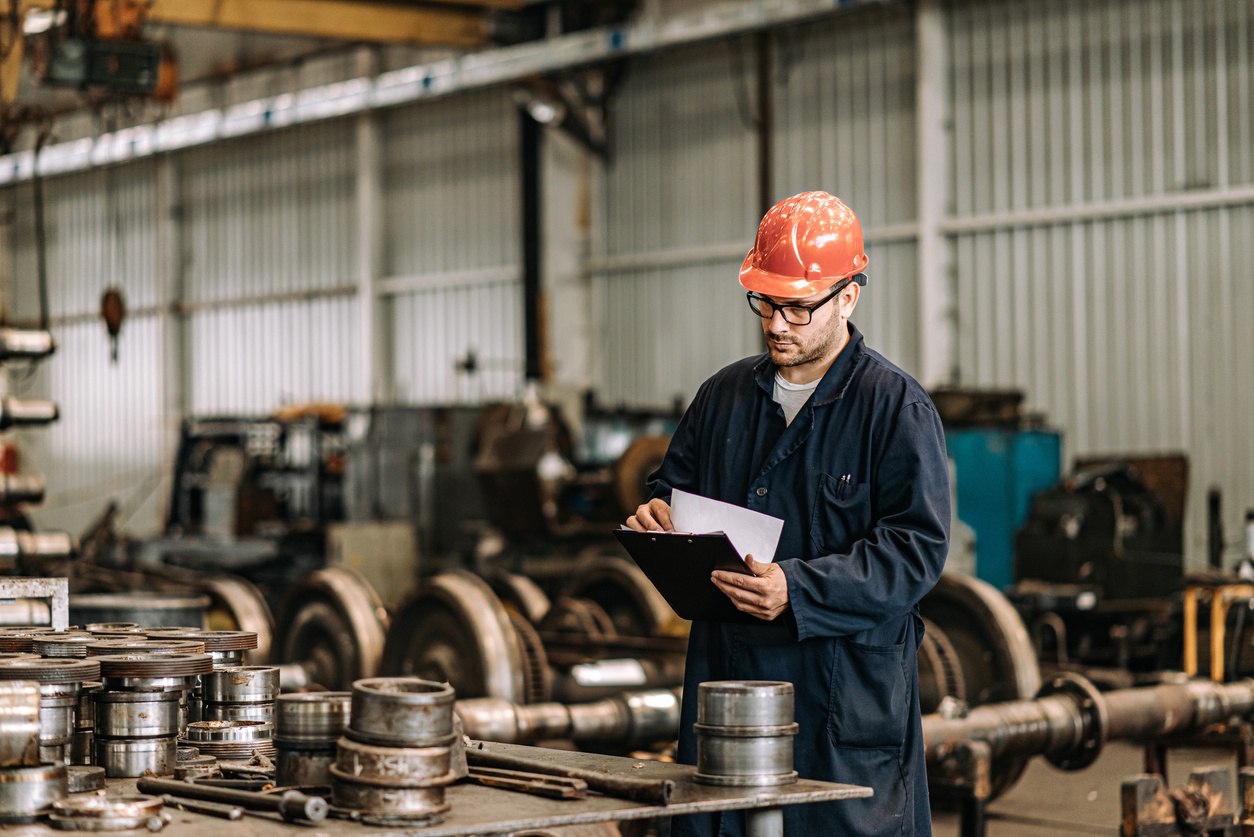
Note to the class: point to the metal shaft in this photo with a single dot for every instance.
(633, 718)
(25, 343)
(1060, 726)
(24, 413)
(292, 805)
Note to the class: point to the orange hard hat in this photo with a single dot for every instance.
(805, 244)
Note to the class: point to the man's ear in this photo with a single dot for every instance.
(848, 299)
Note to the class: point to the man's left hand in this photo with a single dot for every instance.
(763, 594)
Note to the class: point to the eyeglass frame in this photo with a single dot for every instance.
(751, 296)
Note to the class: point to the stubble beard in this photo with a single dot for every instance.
(824, 343)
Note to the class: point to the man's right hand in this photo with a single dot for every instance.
(653, 516)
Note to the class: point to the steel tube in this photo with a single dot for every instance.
(632, 718)
(1060, 725)
(292, 805)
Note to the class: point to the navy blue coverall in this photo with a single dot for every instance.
(857, 562)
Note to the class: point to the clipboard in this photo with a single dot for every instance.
(679, 565)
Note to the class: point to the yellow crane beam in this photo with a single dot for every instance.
(341, 19)
(348, 20)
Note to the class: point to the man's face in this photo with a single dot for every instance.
(820, 339)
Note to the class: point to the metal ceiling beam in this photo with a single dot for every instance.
(418, 83)
(350, 20)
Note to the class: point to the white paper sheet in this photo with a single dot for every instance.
(752, 533)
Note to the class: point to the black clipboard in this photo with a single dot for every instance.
(679, 566)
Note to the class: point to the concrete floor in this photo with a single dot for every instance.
(1047, 801)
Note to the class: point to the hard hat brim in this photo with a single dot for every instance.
(789, 287)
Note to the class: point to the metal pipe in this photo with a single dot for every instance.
(25, 343)
(21, 488)
(1079, 719)
(26, 412)
(631, 718)
(292, 805)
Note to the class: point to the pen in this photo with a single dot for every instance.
(842, 486)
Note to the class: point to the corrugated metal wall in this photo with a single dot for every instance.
(100, 233)
(451, 207)
(1076, 126)
(844, 123)
(269, 270)
(1124, 318)
(682, 179)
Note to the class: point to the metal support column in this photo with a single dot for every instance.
(530, 140)
(936, 323)
(764, 822)
(175, 355)
(374, 326)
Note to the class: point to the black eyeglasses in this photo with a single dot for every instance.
(792, 313)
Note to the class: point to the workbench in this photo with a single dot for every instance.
(482, 810)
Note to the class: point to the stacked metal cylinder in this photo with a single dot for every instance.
(60, 684)
(396, 756)
(239, 693)
(306, 728)
(139, 710)
(745, 732)
(231, 740)
(27, 785)
(227, 648)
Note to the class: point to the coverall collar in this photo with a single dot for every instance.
(834, 381)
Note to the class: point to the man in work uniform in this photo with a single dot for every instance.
(825, 433)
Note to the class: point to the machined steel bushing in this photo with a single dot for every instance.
(137, 714)
(20, 710)
(27, 792)
(241, 684)
(745, 732)
(134, 757)
(402, 712)
(230, 739)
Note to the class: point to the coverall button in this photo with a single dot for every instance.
(762, 491)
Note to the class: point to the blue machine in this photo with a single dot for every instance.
(997, 473)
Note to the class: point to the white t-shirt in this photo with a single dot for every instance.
(792, 397)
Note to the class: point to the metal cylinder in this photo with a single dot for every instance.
(401, 712)
(306, 728)
(21, 488)
(318, 718)
(27, 792)
(137, 714)
(134, 757)
(745, 733)
(416, 806)
(57, 705)
(631, 719)
(20, 709)
(304, 767)
(231, 739)
(15, 545)
(237, 712)
(241, 684)
(26, 412)
(393, 767)
(26, 343)
(108, 813)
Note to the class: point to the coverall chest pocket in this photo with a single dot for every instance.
(841, 514)
(869, 701)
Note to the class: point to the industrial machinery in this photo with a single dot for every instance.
(1099, 567)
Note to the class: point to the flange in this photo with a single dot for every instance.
(1093, 710)
(51, 670)
(153, 665)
